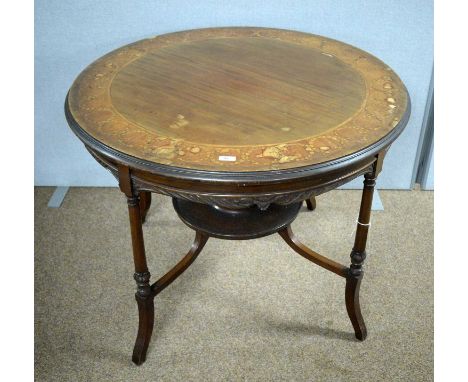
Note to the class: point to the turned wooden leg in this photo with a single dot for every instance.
(145, 203)
(146, 320)
(311, 203)
(146, 293)
(358, 255)
(138, 205)
(143, 295)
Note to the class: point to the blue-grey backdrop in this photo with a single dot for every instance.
(71, 34)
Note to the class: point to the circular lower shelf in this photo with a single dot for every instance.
(234, 224)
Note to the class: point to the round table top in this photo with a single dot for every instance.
(237, 100)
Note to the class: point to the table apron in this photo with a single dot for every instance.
(239, 195)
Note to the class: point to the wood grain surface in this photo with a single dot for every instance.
(238, 99)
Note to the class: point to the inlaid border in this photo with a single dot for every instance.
(91, 108)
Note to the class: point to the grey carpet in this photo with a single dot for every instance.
(245, 310)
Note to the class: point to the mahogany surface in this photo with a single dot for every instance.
(239, 126)
(273, 99)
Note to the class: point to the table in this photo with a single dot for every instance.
(239, 126)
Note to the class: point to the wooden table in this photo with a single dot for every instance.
(239, 126)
